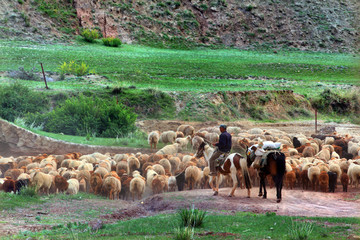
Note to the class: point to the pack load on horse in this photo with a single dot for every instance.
(230, 164)
(268, 159)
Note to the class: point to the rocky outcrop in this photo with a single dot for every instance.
(16, 141)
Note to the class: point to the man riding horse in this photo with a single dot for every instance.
(223, 147)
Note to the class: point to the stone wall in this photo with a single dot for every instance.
(16, 141)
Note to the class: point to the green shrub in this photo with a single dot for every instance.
(90, 35)
(72, 67)
(191, 217)
(17, 100)
(83, 115)
(111, 42)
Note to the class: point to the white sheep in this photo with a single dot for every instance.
(313, 175)
(153, 139)
(212, 137)
(183, 141)
(166, 164)
(169, 149)
(73, 187)
(137, 186)
(186, 129)
(192, 176)
(150, 176)
(168, 137)
(42, 182)
(172, 184)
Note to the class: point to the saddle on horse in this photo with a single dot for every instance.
(221, 159)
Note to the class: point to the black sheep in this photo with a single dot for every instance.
(296, 142)
(22, 183)
(332, 181)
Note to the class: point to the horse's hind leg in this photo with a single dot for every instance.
(235, 182)
(278, 183)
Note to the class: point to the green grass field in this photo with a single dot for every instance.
(200, 70)
(224, 226)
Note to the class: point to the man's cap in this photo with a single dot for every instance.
(222, 126)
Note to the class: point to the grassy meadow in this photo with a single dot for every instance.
(216, 225)
(200, 70)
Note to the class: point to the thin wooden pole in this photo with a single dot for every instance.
(315, 120)
(42, 68)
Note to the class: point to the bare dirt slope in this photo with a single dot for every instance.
(294, 203)
(292, 127)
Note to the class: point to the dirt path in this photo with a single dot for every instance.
(294, 203)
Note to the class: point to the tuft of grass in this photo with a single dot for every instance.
(186, 233)
(29, 191)
(191, 217)
(300, 230)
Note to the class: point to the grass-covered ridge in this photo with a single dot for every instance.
(192, 70)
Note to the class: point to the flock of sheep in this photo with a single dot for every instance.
(319, 162)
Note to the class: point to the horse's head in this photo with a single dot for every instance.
(250, 154)
(200, 152)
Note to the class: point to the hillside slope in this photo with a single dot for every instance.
(304, 24)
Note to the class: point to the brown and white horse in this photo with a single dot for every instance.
(233, 163)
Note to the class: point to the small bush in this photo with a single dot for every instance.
(90, 35)
(83, 115)
(191, 217)
(300, 230)
(186, 233)
(111, 42)
(17, 100)
(72, 67)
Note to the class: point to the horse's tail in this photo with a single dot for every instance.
(245, 172)
(280, 164)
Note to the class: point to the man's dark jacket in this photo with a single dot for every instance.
(224, 143)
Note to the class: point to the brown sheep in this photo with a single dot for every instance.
(290, 179)
(308, 151)
(96, 183)
(9, 185)
(133, 164)
(125, 186)
(61, 183)
(344, 181)
(121, 165)
(112, 187)
(323, 181)
(159, 184)
(13, 173)
(304, 179)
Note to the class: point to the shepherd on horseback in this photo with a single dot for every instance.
(228, 164)
(223, 147)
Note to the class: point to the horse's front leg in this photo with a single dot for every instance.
(211, 183)
(217, 182)
(263, 185)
